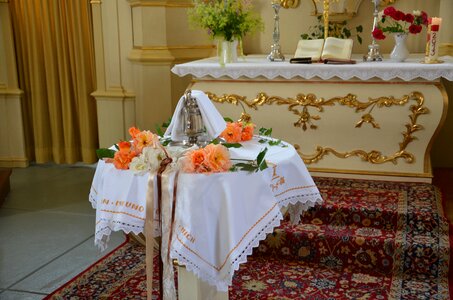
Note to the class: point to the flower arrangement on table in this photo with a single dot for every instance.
(226, 19)
(392, 20)
(145, 152)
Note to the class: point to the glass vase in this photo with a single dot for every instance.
(400, 51)
(227, 51)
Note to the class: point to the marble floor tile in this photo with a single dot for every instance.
(61, 270)
(17, 295)
(50, 187)
(31, 239)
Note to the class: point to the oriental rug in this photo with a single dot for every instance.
(369, 240)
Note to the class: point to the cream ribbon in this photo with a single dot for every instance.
(167, 286)
(149, 236)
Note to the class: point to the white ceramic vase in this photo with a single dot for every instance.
(400, 51)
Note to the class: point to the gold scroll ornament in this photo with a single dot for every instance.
(350, 100)
(289, 3)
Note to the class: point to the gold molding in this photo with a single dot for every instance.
(13, 162)
(350, 100)
(443, 118)
(176, 47)
(96, 2)
(446, 49)
(168, 3)
(289, 3)
(305, 120)
(361, 172)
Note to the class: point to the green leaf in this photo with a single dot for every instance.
(275, 142)
(232, 145)
(262, 141)
(228, 120)
(263, 165)
(159, 130)
(166, 124)
(304, 36)
(105, 153)
(246, 167)
(359, 28)
(359, 38)
(265, 131)
(165, 142)
(347, 32)
(260, 157)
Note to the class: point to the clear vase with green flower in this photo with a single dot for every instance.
(226, 21)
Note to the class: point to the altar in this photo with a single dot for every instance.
(367, 120)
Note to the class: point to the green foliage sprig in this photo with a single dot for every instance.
(227, 19)
(338, 30)
(259, 164)
(267, 133)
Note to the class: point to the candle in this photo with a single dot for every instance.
(432, 43)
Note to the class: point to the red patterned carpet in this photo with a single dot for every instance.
(369, 240)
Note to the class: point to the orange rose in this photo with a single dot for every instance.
(124, 146)
(144, 139)
(247, 132)
(122, 159)
(232, 132)
(133, 131)
(195, 162)
(218, 158)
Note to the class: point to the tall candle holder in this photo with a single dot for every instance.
(432, 41)
(373, 49)
(325, 16)
(276, 54)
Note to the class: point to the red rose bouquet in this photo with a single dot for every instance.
(392, 20)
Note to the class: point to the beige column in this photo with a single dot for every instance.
(137, 42)
(12, 152)
(114, 93)
(161, 38)
(446, 31)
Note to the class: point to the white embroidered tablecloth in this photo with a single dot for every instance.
(254, 66)
(219, 217)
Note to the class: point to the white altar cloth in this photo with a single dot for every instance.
(254, 66)
(219, 217)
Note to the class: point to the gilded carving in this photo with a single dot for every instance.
(374, 156)
(306, 119)
(289, 3)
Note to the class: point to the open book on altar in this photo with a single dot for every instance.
(330, 50)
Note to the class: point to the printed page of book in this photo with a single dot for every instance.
(309, 48)
(337, 48)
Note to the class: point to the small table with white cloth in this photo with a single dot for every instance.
(219, 217)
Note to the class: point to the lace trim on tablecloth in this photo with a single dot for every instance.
(222, 284)
(104, 230)
(257, 67)
(297, 207)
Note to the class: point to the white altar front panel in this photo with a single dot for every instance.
(367, 119)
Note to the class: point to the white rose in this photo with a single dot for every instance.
(153, 157)
(417, 13)
(138, 165)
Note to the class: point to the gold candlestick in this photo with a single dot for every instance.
(325, 15)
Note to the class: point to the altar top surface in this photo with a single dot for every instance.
(254, 66)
